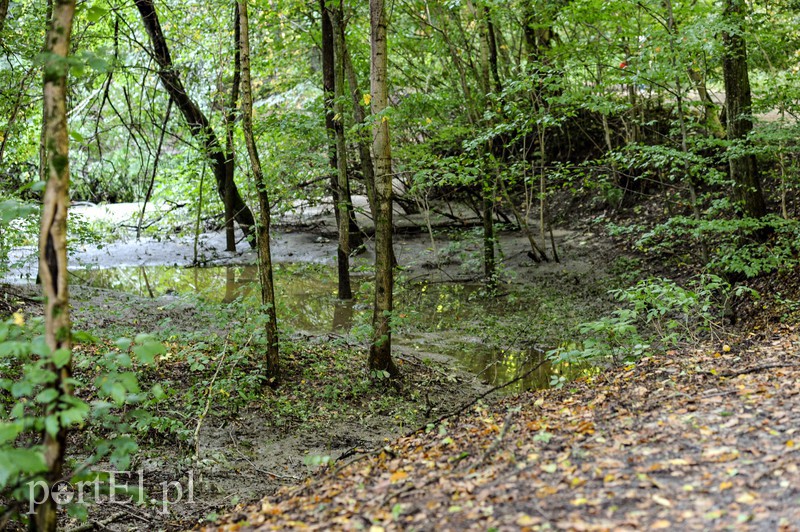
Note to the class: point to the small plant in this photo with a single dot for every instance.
(657, 313)
(104, 414)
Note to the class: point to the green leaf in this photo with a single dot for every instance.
(158, 392)
(95, 13)
(24, 460)
(62, 357)
(147, 352)
(51, 425)
(47, 395)
(39, 347)
(123, 343)
(9, 431)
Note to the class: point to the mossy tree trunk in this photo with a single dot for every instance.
(380, 353)
(342, 182)
(53, 243)
(264, 251)
(329, 91)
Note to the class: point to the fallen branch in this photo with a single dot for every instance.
(460, 410)
(91, 525)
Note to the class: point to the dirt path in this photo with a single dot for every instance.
(693, 440)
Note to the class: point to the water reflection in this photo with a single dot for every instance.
(433, 318)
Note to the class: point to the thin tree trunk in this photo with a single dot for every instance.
(329, 91)
(3, 15)
(671, 26)
(42, 156)
(343, 252)
(488, 231)
(738, 101)
(53, 242)
(710, 114)
(264, 252)
(492, 44)
(230, 151)
(380, 353)
(367, 167)
(155, 168)
(198, 123)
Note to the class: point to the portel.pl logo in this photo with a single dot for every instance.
(109, 490)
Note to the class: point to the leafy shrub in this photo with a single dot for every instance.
(105, 412)
(655, 313)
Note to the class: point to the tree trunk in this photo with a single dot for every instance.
(367, 168)
(230, 151)
(492, 44)
(343, 184)
(3, 15)
(380, 353)
(738, 102)
(198, 123)
(264, 252)
(329, 91)
(53, 241)
(488, 231)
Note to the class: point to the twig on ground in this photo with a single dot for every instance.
(208, 402)
(91, 525)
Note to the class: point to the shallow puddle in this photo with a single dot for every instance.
(434, 319)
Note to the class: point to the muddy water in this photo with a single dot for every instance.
(434, 319)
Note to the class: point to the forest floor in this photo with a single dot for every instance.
(245, 440)
(704, 438)
(698, 438)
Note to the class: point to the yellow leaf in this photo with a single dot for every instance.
(580, 501)
(725, 485)
(790, 443)
(526, 520)
(367, 99)
(397, 476)
(726, 348)
(658, 499)
(746, 498)
(19, 319)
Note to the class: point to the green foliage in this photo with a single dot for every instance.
(654, 314)
(105, 411)
(734, 247)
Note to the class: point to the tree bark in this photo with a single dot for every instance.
(343, 185)
(53, 241)
(380, 353)
(3, 15)
(264, 252)
(492, 43)
(230, 151)
(367, 167)
(329, 91)
(738, 103)
(198, 123)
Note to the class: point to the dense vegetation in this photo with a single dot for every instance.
(669, 126)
